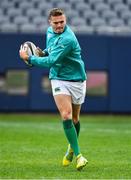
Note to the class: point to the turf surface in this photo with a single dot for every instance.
(32, 147)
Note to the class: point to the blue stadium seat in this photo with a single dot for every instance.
(108, 14)
(32, 12)
(97, 22)
(8, 27)
(78, 22)
(39, 20)
(12, 12)
(120, 7)
(4, 19)
(95, 1)
(29, 28)
(126, 14)
(90, 14)
(101, 6)
(20, 20)
(115, 22)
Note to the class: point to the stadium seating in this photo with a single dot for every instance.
(91, 16)
(20, 20)
(9, 28)
(95, 22)
(108, 14)
(29, 28)
(12, 12)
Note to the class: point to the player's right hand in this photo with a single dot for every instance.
(23, 53)
(39, 52)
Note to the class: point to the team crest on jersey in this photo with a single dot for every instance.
(57, 89)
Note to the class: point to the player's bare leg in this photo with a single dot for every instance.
(80, 160)
(69, 153)
(64, 104)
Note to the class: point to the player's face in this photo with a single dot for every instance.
(58, 23)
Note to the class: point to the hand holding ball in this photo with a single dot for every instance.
(27, 49)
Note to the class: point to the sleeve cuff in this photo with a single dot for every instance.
(29, 60)
(46, 52)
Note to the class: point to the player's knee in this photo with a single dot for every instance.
(66, 115)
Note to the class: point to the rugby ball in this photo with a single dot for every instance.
(30, 47)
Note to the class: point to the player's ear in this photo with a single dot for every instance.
(65, 18)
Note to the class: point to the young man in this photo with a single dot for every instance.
(68, 79)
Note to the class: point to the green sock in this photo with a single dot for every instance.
(77, 127)
(71, 135)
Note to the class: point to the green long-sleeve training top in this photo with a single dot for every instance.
(63, 56)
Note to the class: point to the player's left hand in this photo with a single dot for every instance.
(39, 52)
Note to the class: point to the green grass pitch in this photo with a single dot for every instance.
(32, 147)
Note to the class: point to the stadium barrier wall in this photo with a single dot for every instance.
(100, 53)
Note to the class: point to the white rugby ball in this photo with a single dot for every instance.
(30, 47)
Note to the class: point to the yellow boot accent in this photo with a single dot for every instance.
(80, 162)
(67, 159)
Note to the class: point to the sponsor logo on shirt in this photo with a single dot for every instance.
(49, 35)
